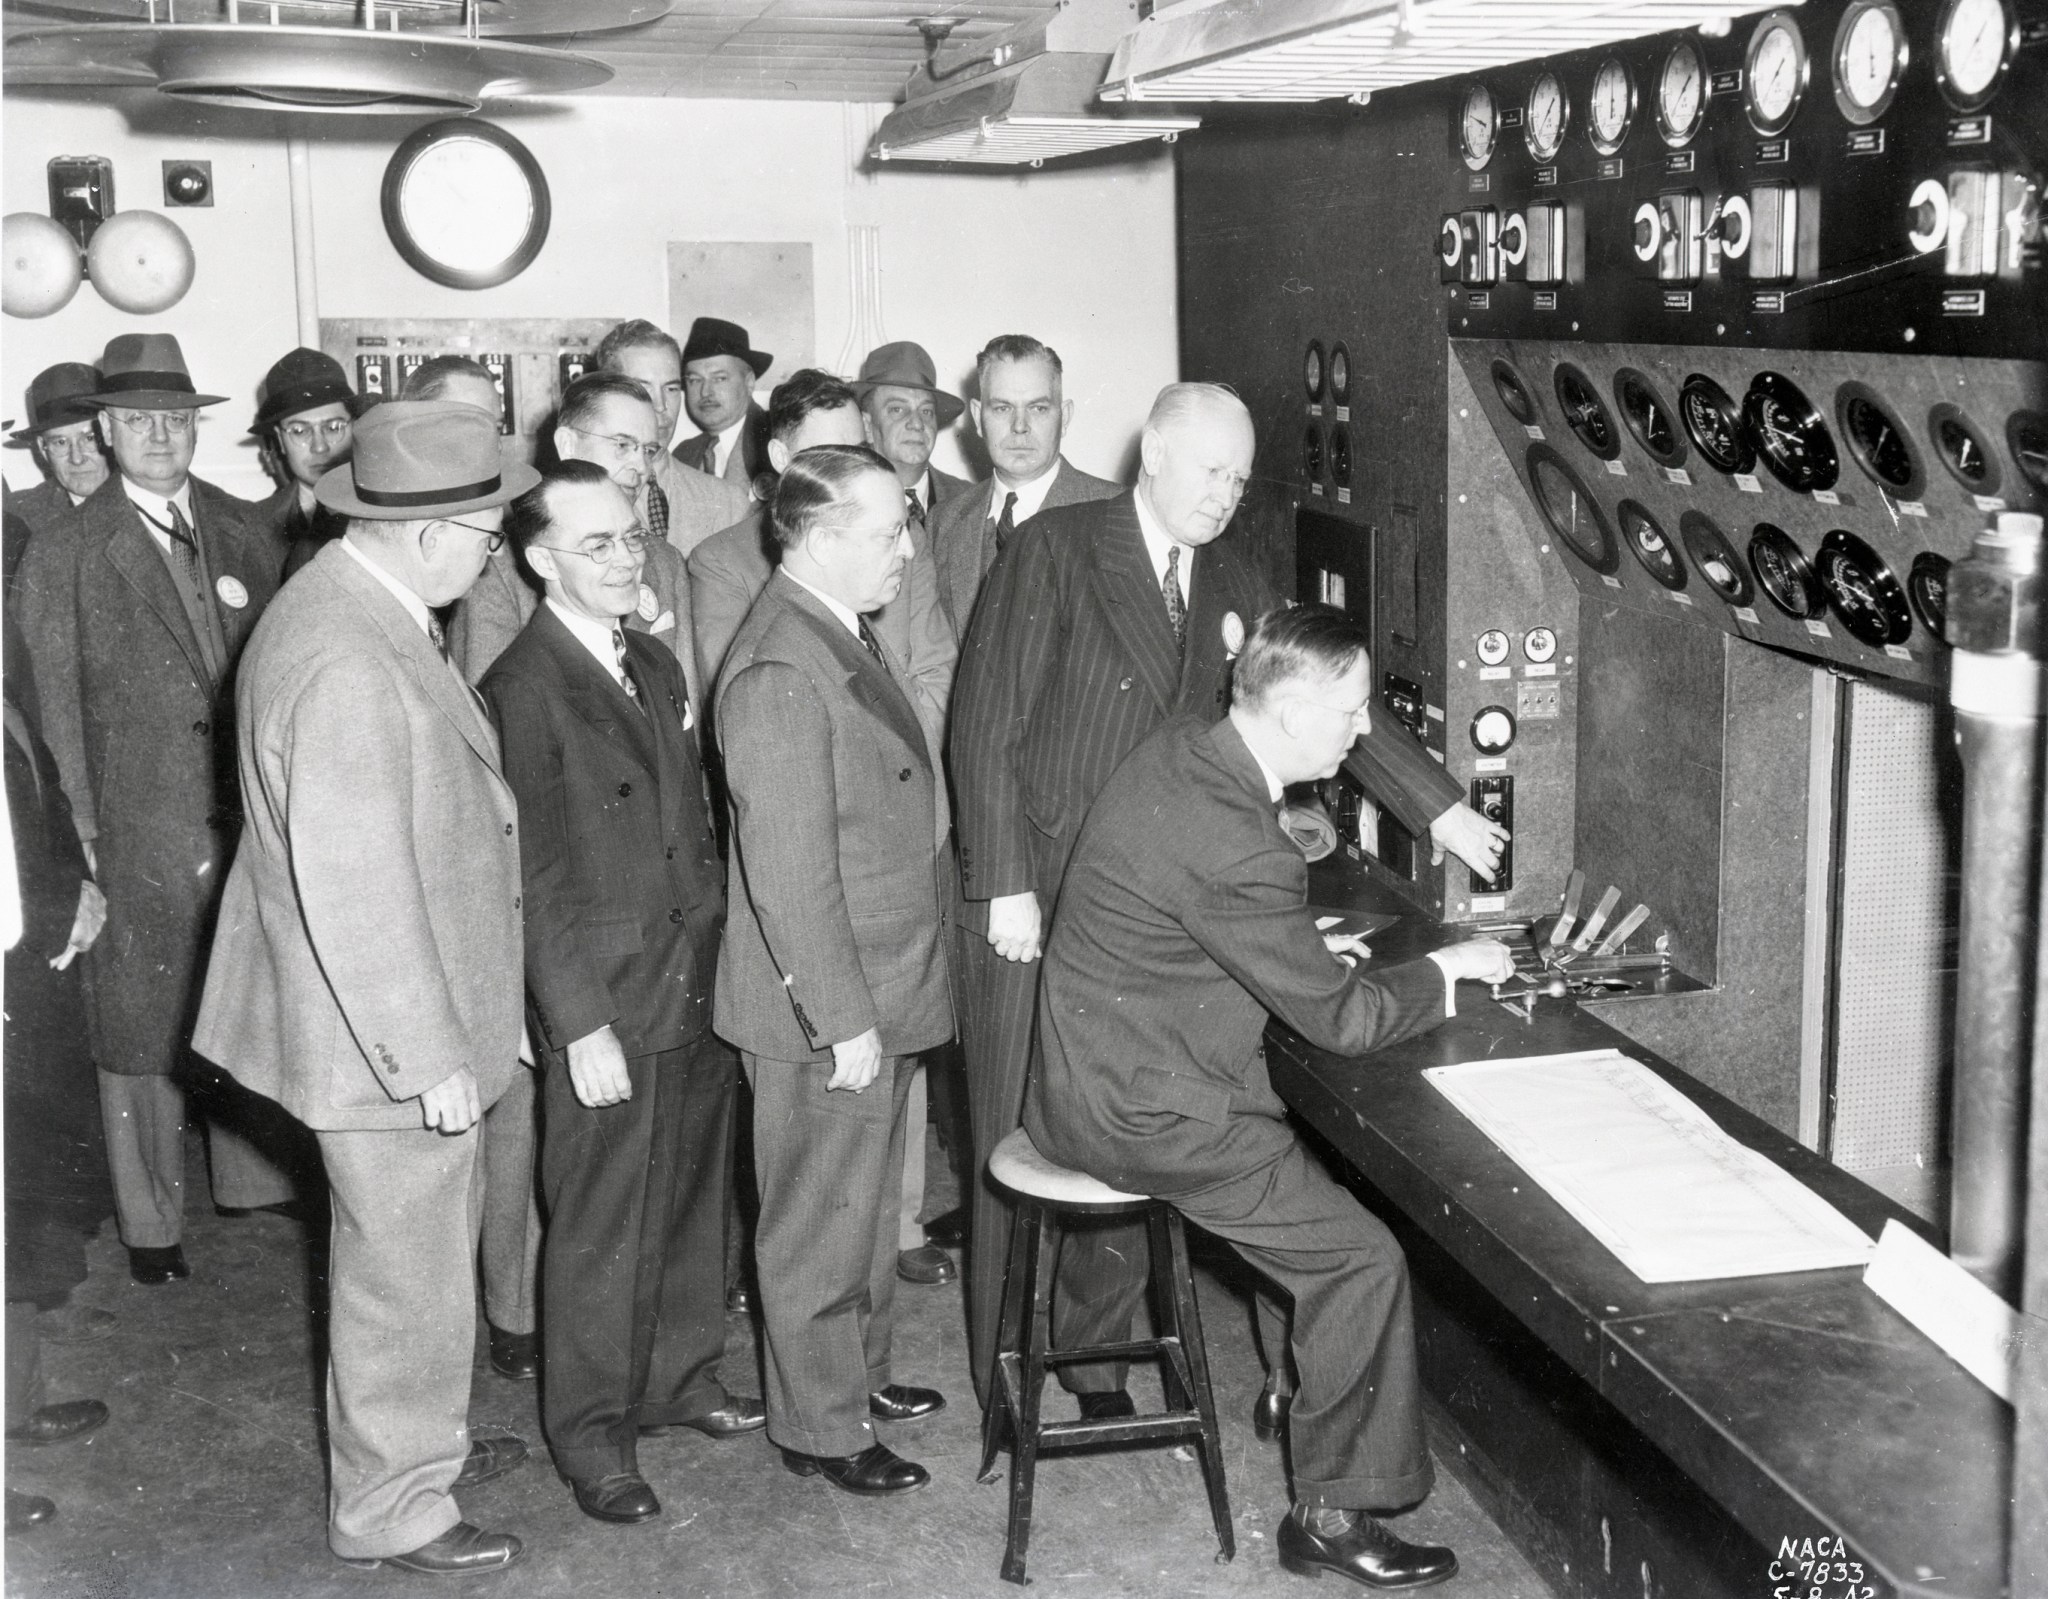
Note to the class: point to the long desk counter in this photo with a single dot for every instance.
(1802, 1406)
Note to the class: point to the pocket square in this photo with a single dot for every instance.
(663, 622)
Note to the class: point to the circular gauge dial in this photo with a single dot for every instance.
(1927, 588)
(1784, 573)
(1340, 375)
(1478, 127)
(1681, 95)
(1866, 598)
(1715, 557)
(1774, 73)
(1789, 434)
(1612, 106)
(1714, 424)
(1973, 47)
(1312, 453)
(1647, 543)
(1963, 448)
(1573, 514)
(2026, 435)
(1312, 370)
(1514, 394)
(1340, 458)
(1539, 644)
(1493, 647)
(1879, 442)
(1648, 418)
(1549, 115)
(1584, 412)
(1870, 59)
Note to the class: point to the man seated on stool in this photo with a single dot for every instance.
(1170, 948)
(624, 897)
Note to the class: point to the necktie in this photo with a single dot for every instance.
(625, 672)
(1176, 607)
(708, 443)
(657, 512)
(185, 547)
(1006, 523)
(916, 510)
(872, 644)
(438, 634)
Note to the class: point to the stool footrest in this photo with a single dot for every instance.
(1136, 1349)
(1123, 1430)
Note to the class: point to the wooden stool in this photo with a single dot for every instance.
(1044, 1192)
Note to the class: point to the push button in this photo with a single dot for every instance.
(1124, 686)
(199, 727)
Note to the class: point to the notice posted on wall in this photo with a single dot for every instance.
(1646, 1171)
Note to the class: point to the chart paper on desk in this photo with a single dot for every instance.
(1646, 1171)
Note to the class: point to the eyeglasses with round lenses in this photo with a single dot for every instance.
(604, 547)
(623, 447)
(334, 430)
(144, 423)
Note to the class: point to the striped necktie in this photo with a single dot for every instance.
(1176, 607)
(1006, 524)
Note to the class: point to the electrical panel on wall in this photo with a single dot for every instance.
(1849, 174)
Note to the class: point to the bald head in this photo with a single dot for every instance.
(1196, 458)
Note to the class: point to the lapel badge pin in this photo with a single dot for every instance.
(650, 607)
(1233, 634)
(231, 592)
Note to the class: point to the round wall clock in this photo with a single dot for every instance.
(465, 203)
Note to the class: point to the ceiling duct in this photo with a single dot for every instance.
(1021, 97)
(1293, 50)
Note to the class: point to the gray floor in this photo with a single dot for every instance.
(209, 1481)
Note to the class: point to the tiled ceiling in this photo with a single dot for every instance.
(785, 49)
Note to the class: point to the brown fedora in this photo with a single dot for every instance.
(904, 365)
(146, 372)
(419, 459)
(60, 394)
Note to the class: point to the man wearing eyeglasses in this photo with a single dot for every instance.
(304, 426)
(681, 503)
(366, 972)
(625, 897)
(135, 606)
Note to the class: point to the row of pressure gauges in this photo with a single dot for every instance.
(1326, 376)
(1973, 48)
(1539, 644)
(1314, 455)
(1776, 424)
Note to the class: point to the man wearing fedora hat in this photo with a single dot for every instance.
(720, 369)
(905, 411)
(367, 971)
(61, 436)
(304, 425)
(135, 606)
(681, 504)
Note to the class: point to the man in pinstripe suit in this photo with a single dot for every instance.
(1098, 622)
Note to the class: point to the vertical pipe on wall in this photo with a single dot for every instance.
(305, 283)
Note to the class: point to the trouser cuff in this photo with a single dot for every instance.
(1376, 1494)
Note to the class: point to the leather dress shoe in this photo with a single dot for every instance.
(153, 1266)
(926, 1264)
(491, 1455)
(898, 1402)
(948, 1231)
(461, 1551)
(742, 1413)
(54, 1424)
(877, 1469)
(1352, 1544)
(515, 1355)
(740, 1298)
(1269, 1416)
(1112, 1405)
(621, 1496)
(27, 1510)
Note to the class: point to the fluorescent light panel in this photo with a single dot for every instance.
(1018, 140)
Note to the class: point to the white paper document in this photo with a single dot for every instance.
(1645, 1170)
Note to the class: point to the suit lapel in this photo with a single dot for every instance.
(593, 692)
(1132, 601)
(867, 680)
(135, 555)
(1207, 662)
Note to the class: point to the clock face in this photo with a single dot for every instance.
(1681, 95)
(1774, 77)
(465, 204)
(1549, 114)
(1973, 46)
(1870, 59)
(1478, 126)
(1613, 106)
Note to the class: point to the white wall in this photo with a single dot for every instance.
(1081, 258)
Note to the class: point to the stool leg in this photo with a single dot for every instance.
(1189, 1317)
(1001, 1412)
(1174, 1374)
(1040, 1251)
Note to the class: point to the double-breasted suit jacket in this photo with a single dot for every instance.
(749, 457)
(140, 715)
(963, 533)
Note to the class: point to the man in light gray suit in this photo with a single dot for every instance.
(833, 975)
(1022, 415)
(366, 968)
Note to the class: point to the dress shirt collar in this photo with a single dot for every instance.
(922, 488)
(1158, 542)
(154, 505)
(1030, 496)
(1274, 787)
(415, 607)
(728, 441)
(593, 635)
(848, 617)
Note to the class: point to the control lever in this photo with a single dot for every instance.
(1568, 908)
(1597, 920)
(1619, 935)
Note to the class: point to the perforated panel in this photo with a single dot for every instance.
(1895, 936)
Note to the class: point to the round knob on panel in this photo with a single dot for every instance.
(1646, 231)
(1493, 729)
(1928, 213)
(1450, 243)
(1514, 239)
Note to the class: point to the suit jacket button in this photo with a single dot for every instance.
(675, 916)
(1124, 685)
(671, 854)
(904, 775)
(199, 727)
(508, 829)
(625, 790)
(515, 902)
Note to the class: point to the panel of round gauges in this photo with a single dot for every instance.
(1789, 435)
(1570, 509)
(1646, 541)
(1585, 413)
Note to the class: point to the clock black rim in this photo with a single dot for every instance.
(1802, 570)
(1673, 576)
(1731, 413)
(418, 143)
(1854, 393)
(1700, 536)
(1994, 473)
